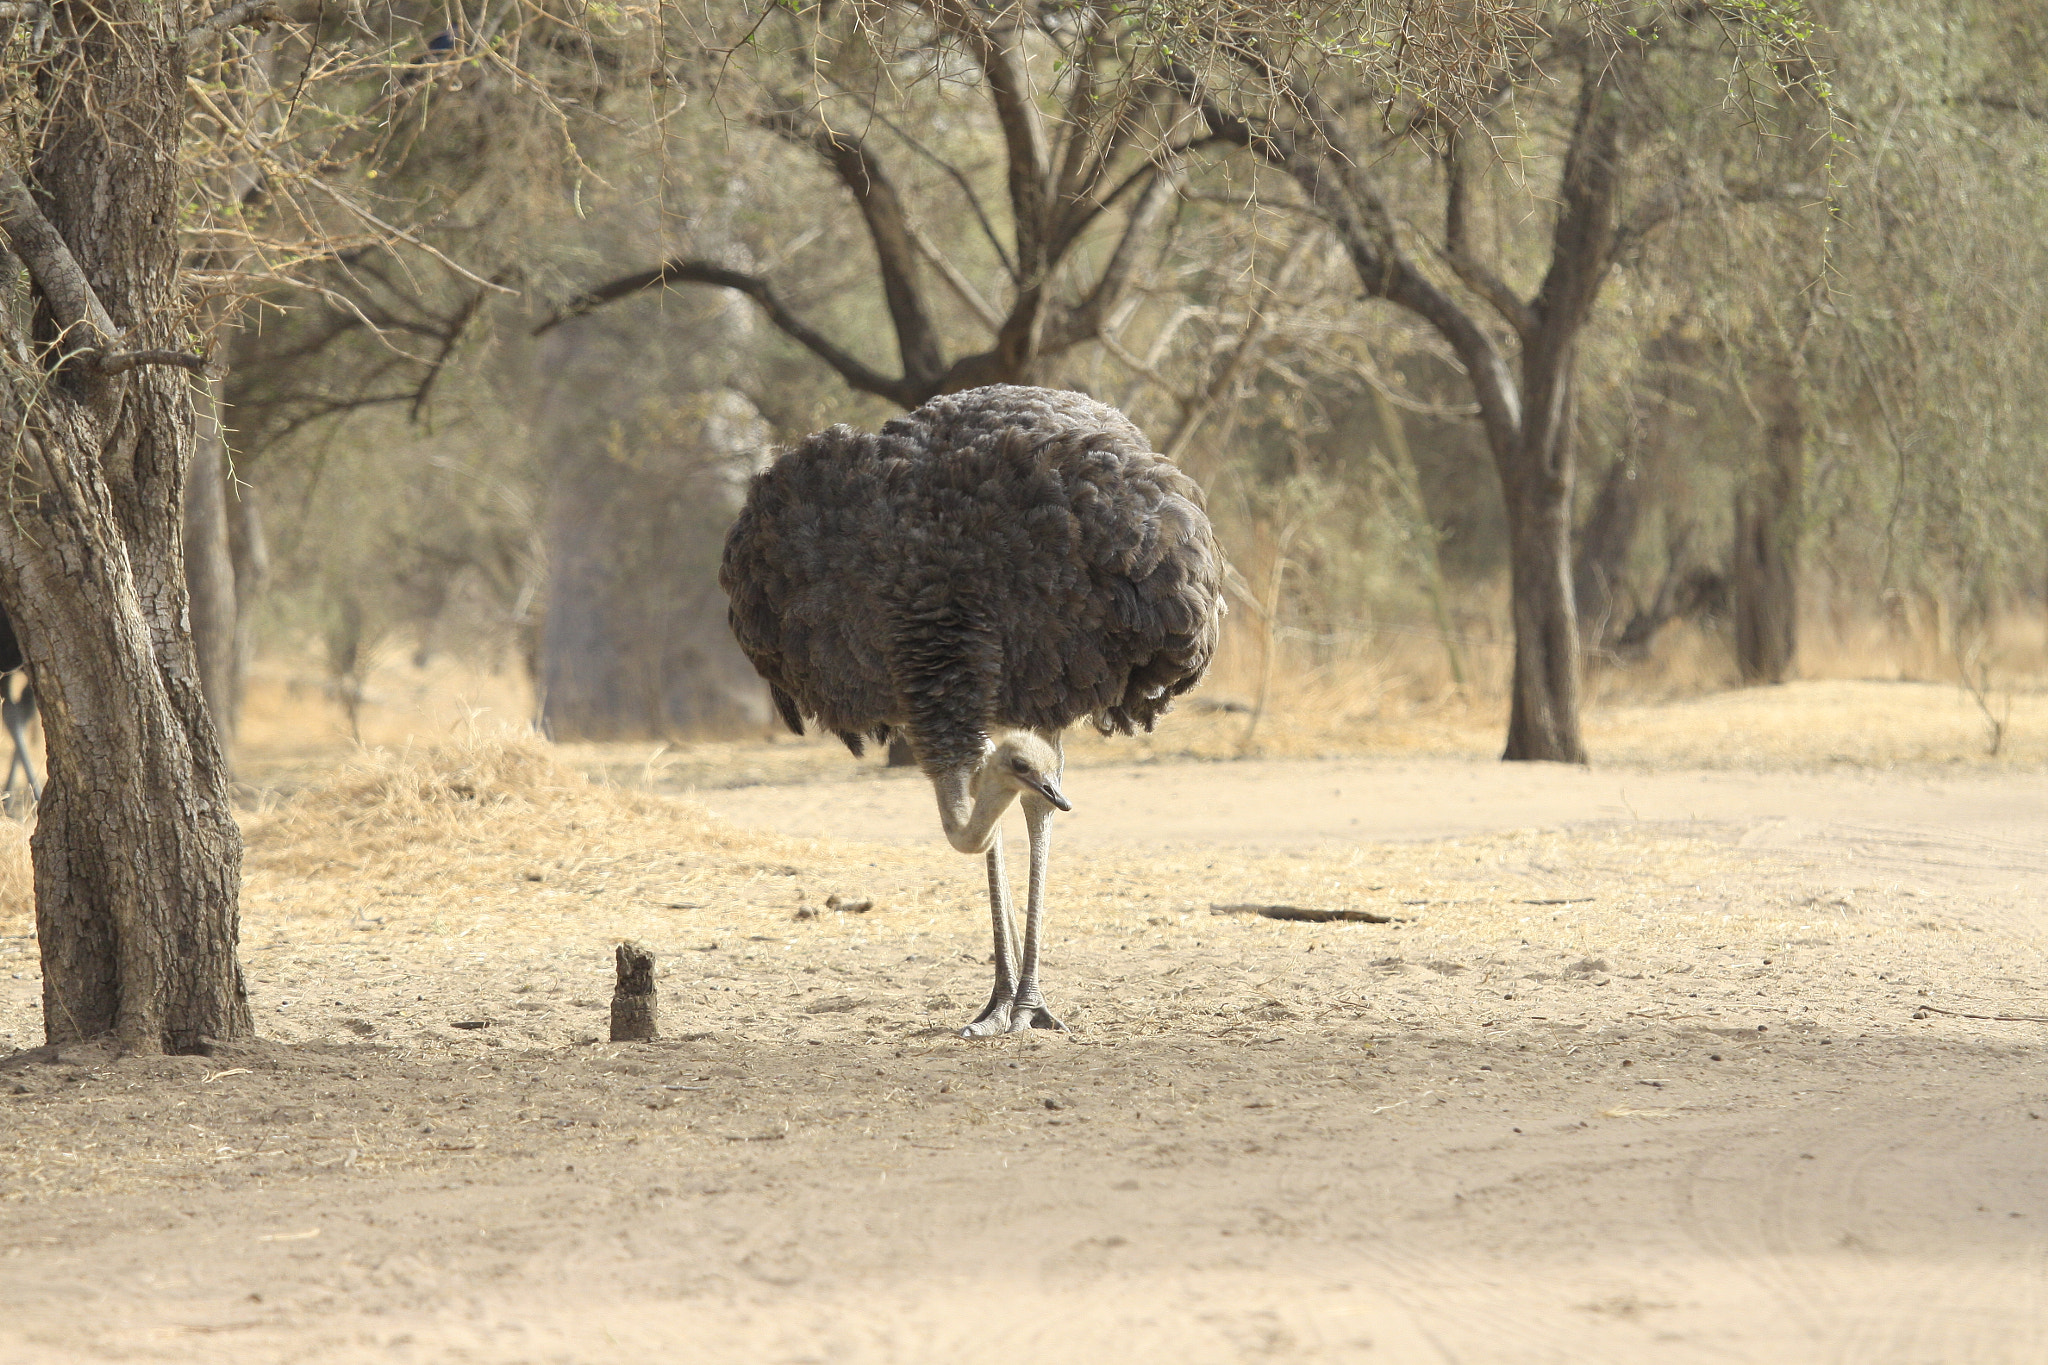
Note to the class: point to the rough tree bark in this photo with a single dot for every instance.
(137, 856)
(1765, 567)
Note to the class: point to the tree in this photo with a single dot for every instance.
(1764, 564)
(1927, 397)
(136, 851)
(1518, 347)
(648, 459)
(145, 139)
(1083, 140)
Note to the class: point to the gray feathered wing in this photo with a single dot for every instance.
(1002, 557)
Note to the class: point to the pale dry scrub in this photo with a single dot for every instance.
(1696, 1088)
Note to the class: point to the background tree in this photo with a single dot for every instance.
(1518, 347)
(1092, 150)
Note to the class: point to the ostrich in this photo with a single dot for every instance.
(976, 577)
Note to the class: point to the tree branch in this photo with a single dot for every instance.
(917, 340)
(457, 325)
(1674, 200)
(1080, 213)
(257, 14)
(1195, 408)
(1338, 190)
(1589, 189)
(1459, 258)
(119, 362)
(962, 287)
(1009, 83)
(1084, 320)
(953, 173)
(51, 265)
(906, 391)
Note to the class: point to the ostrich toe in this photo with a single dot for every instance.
(1002, 1016)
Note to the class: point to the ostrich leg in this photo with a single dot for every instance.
(995, 1016)
(1029, 1011)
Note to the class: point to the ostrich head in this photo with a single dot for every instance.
(1019, 762)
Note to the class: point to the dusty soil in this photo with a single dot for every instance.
(1651, 1063)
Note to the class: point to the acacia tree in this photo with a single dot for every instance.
(1518, 346)
(137, 855)
(1088, 148)
(119, 244)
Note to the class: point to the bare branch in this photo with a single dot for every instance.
(962, 287)
(1456, 254)
(1337, 187)
(917, 340)
(1009, 82)
(1197, 407)
(456, 327)
(402, 235)
(1084, 320)
(906, 391)
(119, 362)
(50, 263)
(1082, 212)
(257, 14)
(1676, 199)
(953, 173)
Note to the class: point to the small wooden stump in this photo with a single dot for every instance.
(633, 999)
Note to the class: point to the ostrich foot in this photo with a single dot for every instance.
(1011, 1016)
(1025, 1017)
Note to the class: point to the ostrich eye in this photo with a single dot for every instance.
(1018, 765)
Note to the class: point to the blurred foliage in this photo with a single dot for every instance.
(1869, 218)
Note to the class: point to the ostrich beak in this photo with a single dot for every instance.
(1049, 789)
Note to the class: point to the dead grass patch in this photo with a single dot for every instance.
(17, 877)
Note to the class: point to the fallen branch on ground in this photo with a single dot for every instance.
(1920, 1011)
(1305, 915)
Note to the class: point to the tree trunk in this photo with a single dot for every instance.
(137, 858)
(1766, 558)
(249, 553)
(210, 568)
(1543, 718)
(1604, 546)
(137, 855)
(635, 643)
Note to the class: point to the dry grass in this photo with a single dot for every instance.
(475, 834)
(484, 883)
(498, 877)
(1384, 691)
(17, 877)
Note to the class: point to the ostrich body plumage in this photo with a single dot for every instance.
(1001, 560)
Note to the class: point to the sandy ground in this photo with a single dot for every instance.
(1649, 1064)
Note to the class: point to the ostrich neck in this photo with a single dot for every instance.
(969, 817)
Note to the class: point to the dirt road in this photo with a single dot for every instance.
(1661, 1067)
